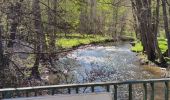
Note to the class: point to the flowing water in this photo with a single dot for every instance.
(113, 62)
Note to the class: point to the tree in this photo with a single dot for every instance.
(1, 47)
(14, 15)
(155, 30)
(52, 27)
(39, 36)
(166, 24)
(147, 22)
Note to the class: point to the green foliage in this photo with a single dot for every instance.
(73, 40)
(137, 47)
(162, 44)
(130, 34)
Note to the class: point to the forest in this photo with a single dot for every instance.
(35, 34)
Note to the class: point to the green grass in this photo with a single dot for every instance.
(137, 47)
(73, 40)
(161, 41)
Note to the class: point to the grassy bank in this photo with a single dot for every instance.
(161, 41)
(148, 66)
(73, 40)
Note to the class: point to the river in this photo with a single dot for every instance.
(106, 63)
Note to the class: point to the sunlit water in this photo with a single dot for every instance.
(106, 64)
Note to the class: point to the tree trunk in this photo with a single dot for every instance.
(52, 30)
(13, 30)
(166, 24)
(93, 12)
(55, 28)
(35, 72)
(84, 25)
(1, 50)
(136, 23)
(155, 29)
(143, 12)
(115, 20)
(13, 18)
(39, 36)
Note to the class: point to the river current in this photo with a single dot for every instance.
(106, 63)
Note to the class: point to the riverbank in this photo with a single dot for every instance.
(162, 42)
(151, 67)
(72, 42)
(77, 40)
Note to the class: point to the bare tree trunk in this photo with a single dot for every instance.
(136, 23)
(85, 21)
(156, 19)
(1, 49)
(50, 21)
(52, 27)
(155, 29)
(39, 36)
(55, 28)
(166, 24)
(88, 16)
(115, 21)
(139, 5)
(122, 25)
(4, 63)
(145, 22)
(93, 15)
(150, 34)
(13, 30)
(13, 18)
(52, 30)
(35, 72)
(148, 28)
(1, 59)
